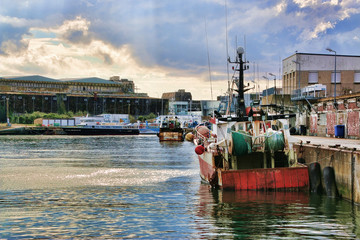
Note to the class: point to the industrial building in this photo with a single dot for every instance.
(181, 103)
(28, 94)
(301, 70)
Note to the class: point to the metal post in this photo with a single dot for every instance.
(299, 91)
(267, 86)
(275, 88)
(7, 112)
(335, 82)
(33, 100)
(330, 50)
(241, 104)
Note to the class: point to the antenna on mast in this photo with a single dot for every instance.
(245, 48)
(236, 46)
(227, 48)
(240, 111)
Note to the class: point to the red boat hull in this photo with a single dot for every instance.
(294, 178)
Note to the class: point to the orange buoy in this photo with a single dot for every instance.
(189, 137)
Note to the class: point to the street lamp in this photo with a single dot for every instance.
(274, 84)
(7, 112)
(330, 50)
(296, 62)
(267, 86)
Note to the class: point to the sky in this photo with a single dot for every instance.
(167, 45)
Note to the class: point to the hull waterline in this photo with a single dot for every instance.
(284, 178)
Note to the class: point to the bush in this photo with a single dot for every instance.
(141, 118)
(132, 119)
(151, 116)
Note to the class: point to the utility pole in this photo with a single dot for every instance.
(7, 112)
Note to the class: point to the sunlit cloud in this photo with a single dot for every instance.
(161, 45)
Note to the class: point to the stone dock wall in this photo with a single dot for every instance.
(344, 160)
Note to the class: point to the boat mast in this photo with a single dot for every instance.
(240, 111)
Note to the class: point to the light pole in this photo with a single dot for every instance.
(7, 112)
(296, 62)
(267, 86)
(274, 85)
(330, 50)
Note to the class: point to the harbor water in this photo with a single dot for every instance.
(136, 187)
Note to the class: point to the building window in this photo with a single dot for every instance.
(338, 77)
(313, 77)
(357, 77)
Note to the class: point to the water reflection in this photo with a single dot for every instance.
(278, 215)
(135, 187)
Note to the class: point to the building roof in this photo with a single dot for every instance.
(92, 80)
(36, 78)
(180, 95)
(321, 54)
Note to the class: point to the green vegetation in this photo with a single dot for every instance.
(60, 103)
(147, 117)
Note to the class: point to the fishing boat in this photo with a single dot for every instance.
(100, 130)
(171, 129)
(248, 150)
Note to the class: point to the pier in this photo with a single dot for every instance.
(342, 155)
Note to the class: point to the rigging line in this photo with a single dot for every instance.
(208, 55)
(227, 47)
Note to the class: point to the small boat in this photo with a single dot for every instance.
(248, 150)
(147, 128)
(171, 129)
(100, 130)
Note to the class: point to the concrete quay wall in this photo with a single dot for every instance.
(344, 160)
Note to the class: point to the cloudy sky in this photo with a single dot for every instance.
(166, 45)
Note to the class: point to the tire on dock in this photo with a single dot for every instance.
(315, 178)
(330, 183)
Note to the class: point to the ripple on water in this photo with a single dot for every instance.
(135, 187)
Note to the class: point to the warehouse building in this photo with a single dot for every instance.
(28, 94)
